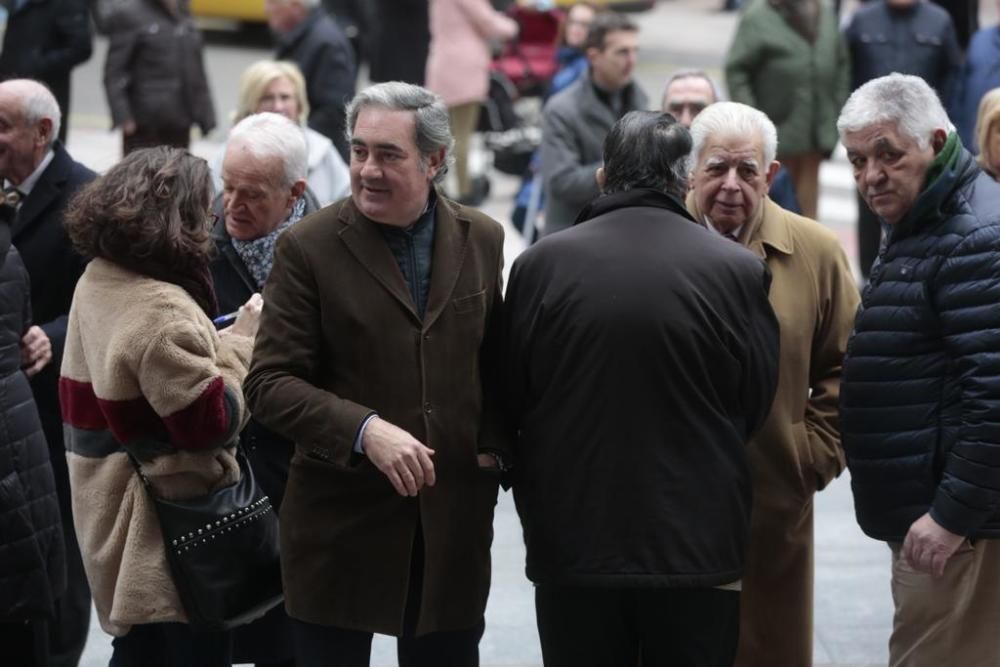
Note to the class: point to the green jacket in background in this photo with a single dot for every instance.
(800, 86)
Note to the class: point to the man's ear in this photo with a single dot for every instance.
(600, 177)
(772, 171)
(434, 163)
(298, 189)
(938, 140)
(43, 132)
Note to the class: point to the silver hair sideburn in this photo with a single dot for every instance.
(896, 98)
(430, 116)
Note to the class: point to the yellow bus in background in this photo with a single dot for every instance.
(253, 10)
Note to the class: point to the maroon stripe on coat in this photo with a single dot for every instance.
(203, 424)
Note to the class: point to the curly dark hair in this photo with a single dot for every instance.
(149, 214)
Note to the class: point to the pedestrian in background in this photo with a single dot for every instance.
(44, 40)
(576, 121)
(154, 76)
(140, 341)
(797, 450)
(39, 178)
(642, 354)
(278, 87)
(980, 74)
(920, 396)
(308, 37)
(910, 37)
(789, 60)
(458, 69)
(988, 133)
(400, 41)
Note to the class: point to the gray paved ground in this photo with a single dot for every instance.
(852, 604)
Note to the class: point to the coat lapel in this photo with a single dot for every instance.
(46, 190)
(365, 242)
(450, 237)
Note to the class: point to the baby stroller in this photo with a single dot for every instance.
(529, 61)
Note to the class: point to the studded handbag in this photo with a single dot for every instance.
(223, 551)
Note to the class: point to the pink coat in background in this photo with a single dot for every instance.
(459, 60)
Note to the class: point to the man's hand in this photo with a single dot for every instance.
(36, 351)
(401, 457)
(928, 546)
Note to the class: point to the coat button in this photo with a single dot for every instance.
(427, 408)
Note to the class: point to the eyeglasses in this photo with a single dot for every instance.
(693, 108)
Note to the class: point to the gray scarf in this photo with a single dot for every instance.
(258, 255)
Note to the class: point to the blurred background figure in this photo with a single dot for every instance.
(32, 553)
(278, 86)
(263, 174)
(906, 36)
(980, 74)
(458, 68)
(988, 133)
(140, 340)
(400, 40)
(308, 37)
(570, 55)
(355, 18)
(45, 40)
(154, 75)
(788, 60)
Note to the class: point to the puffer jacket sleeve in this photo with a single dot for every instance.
(193, 381)
(966, 293)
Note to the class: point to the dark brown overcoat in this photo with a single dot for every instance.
(339, 339)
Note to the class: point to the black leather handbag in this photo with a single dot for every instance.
(223, 551)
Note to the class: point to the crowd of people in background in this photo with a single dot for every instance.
(678, 364)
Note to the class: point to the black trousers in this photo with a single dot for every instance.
(326, 646)
(25, 642)
(664, 627)
(171, 645)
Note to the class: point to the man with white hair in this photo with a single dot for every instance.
(920, 399)
(263, 195)
(310, 38)
(39, 178)
(797, 450)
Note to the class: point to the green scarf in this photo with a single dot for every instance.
(944, 160)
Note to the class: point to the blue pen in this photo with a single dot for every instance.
(223, 320)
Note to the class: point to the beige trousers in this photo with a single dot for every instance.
(804, 170)
(949, 620)
(463, 119)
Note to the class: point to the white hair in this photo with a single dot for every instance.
(896, 98)
(732, 119)
(38, 103)
(269, 134)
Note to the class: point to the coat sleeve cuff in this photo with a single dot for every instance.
(956, 517)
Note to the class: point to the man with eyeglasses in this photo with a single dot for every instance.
(686, 95)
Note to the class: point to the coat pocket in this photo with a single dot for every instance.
(473, 303)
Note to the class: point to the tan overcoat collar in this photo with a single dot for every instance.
(769, 227)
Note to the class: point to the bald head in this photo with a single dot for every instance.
(29, 123)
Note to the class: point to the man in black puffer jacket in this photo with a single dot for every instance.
(920, 398)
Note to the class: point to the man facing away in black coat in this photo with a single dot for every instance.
(312, 40)
(39, 178)
(45, 40)
(642, 354)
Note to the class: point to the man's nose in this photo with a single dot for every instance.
(370, 169)
(732, 180)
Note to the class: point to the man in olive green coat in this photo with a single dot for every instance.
(797, 451)
(376, 356)
(789, 60)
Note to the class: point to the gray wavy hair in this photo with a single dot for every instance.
(430, 117)
(908, 101)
